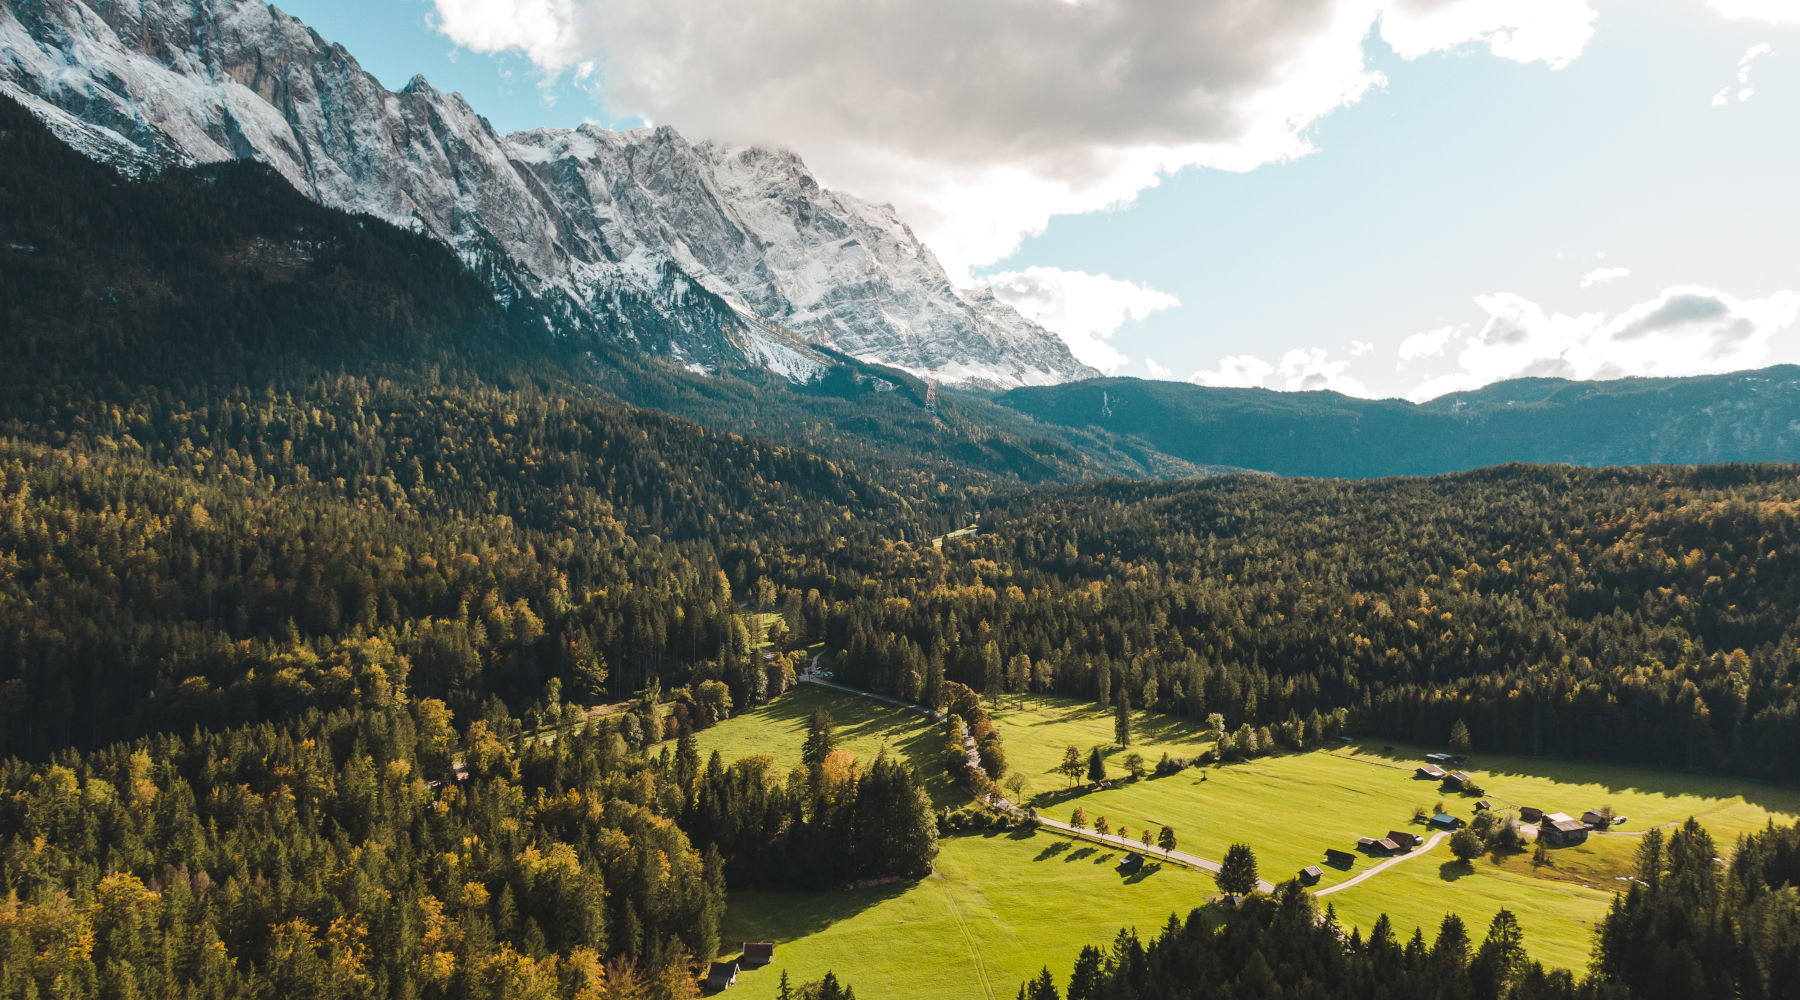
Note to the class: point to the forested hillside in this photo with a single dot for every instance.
(1749, 416)
(1644, 614)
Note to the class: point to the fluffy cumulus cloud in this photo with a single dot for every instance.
(1312, 368)
(1426, 345)
(1602, 275)
(1156, 369)
(982, 119)
(1242, 371)
(1772, 11)
(1085, 309)
(1684, 331)
(1743, 91)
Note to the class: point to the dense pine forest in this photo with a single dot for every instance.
(355, 629)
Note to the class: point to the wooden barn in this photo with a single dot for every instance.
(1595, 819)
(1430, 771)
(1445, 821)
(1131, 863)
(758, 953)
(1310, 875)
(1458, 780)
(1339, 859)
(1530, 814)
(722, 976)
(1561, 830)
(1404, 839)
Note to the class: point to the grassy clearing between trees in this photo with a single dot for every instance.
(1290, 807)
(1001, 907)
(1287, 807)
(864, 727)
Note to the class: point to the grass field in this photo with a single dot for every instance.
(1290, 807)
(1038, 729)
(864, 727)
(1287, 807)
(1001, 907)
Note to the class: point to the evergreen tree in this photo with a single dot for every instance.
(1237, 873)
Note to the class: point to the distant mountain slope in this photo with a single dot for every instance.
(1740, 417)
(720, 257)
(223, 279)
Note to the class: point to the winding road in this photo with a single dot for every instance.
(1436, 839)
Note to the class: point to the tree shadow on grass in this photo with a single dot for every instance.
(791, 914)
(1078, 854)
(1051, 850)
(1149, 869)
(1615, 777)
(1450, 871)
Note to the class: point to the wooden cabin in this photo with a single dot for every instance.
(1594, 819)
(1430, 772)
(721, 976)
(1339, 859)
(1131, 863)
(1404, 839)
(1310, 875)
(758, 953)
(1530, 814)
(1445, 821)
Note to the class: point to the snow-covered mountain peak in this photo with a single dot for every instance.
(719, 255)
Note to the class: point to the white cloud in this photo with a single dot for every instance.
(1237, 370)
(1772, 11)
(982, 119)
(1427, 344)
(1307, 369)
(1686, 330)
(1084, 309)
(1745, 91)
(1602, 275)
(1156, 370)
(1358, 348)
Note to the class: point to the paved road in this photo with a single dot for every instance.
(1436, 839)
(1179, 857)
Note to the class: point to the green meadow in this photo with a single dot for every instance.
(1000, 907)
(1287, 807)
(865, 727)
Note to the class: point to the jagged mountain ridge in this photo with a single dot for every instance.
(717, 255)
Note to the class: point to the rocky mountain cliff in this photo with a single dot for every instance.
(718, 256)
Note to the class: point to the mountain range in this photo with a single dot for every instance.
(1751, 416)
(718, 257)
(723, 285)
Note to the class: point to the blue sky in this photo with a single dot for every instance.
(1436, 235)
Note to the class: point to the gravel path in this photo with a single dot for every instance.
(1436, 839)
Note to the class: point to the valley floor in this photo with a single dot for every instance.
(1001, 906)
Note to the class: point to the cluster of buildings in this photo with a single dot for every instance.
(723, 975)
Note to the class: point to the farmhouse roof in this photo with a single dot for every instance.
(1336, 856)
(1311, 871)
(1387, 845)
(1554, 818)
(1403, 838)
(759, 951)
(1568, 825)
(1444, 819)
(1458, 777)
(1431, 771)
(1593, 818)
(721, 974)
